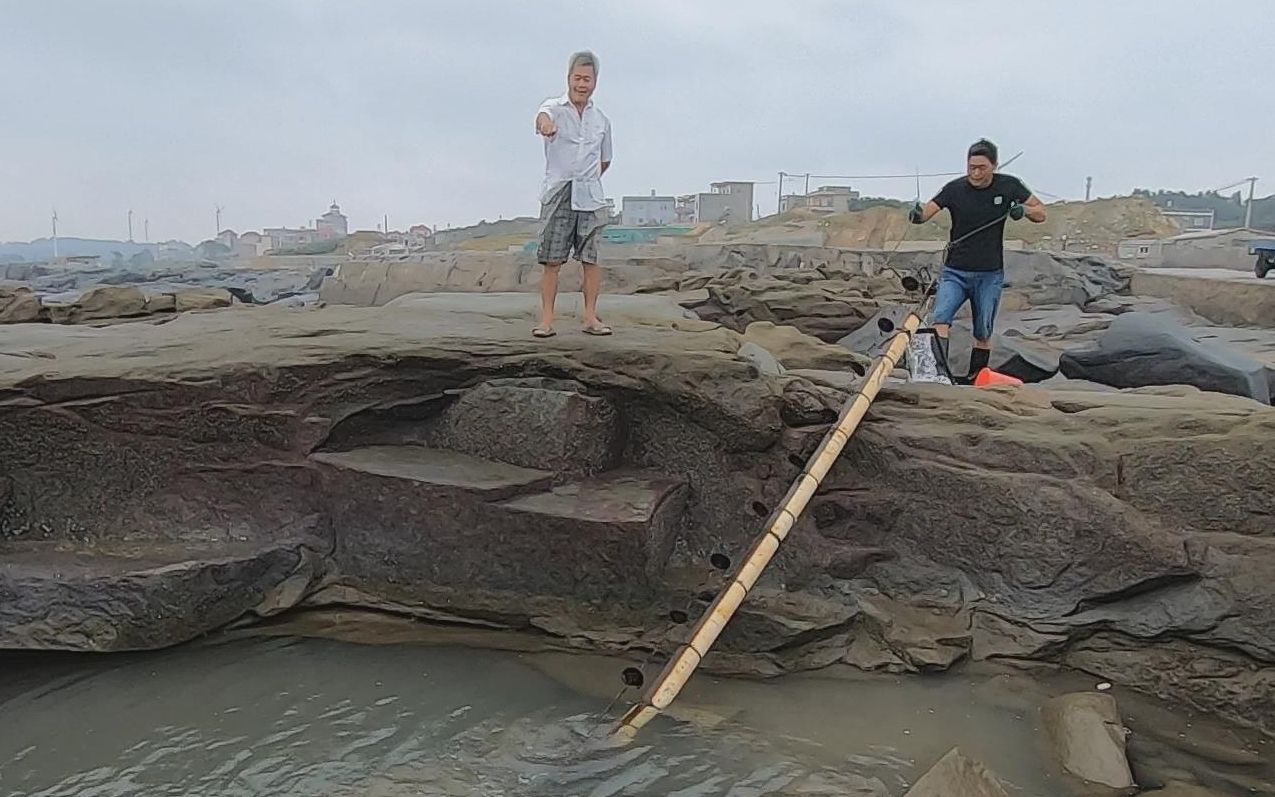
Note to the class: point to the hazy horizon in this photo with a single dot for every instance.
(424, 115)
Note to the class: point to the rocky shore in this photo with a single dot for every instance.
(429, 458)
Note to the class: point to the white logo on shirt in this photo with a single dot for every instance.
(996, 201)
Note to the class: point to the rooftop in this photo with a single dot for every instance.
(1204, 234)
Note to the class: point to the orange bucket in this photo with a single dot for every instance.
(987, 378)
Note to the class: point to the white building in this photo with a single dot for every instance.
(825, 199)
(648, 211)
(333, 224)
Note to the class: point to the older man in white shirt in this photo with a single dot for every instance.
(573, 210)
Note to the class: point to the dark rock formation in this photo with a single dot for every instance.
(434, 460)
(1139, 350)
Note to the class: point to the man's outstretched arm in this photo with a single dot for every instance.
(920, 214)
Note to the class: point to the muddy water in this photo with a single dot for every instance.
(290, 716)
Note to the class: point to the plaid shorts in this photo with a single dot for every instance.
(564, 230)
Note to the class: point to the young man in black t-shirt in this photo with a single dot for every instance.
(974, 268)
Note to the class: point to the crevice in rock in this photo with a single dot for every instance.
(1164, 582)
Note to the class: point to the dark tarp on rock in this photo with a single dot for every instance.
(1139, 350)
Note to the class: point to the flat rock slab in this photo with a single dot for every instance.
(624, 500)
(957, 776)
(116, 597)
(439, 468)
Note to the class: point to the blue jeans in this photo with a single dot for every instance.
(981, 288)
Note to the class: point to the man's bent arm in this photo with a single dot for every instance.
(930, 210)
(606, 147)
(1035, 209)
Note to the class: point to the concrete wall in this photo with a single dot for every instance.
(1207, 255)
(1223, 298)
(1228, 250)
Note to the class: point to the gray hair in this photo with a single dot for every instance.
(583, 58)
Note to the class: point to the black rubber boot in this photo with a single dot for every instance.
(939, 346)
(978, 361)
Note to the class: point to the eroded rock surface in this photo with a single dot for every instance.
(431, 458)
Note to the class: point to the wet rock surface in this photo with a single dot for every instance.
(1088, 738)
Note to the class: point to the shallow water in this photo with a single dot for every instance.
(292, 716)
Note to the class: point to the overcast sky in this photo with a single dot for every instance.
(423, 110)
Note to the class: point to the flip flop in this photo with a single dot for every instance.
(600, 329)
(543, 332)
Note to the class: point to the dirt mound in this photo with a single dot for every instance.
(1099, 224)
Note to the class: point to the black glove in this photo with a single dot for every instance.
(914, 215)
(1016, 210)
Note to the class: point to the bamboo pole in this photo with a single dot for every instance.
(679, 669)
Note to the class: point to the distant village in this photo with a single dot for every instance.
(330, 227)
(639, 219)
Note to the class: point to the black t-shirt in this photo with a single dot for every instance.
(971, 208)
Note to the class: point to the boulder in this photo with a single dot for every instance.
(957, 776)
(161, 303)
(795, 349)
(534, 423)
(18, 305)
(1089, 738)
(1139, 350)
(765, 361)
(203, 299)
(100, 303)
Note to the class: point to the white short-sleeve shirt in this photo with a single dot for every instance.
(576, 153)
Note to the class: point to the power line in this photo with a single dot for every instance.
(870, 176)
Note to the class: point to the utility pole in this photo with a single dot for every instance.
(1088, 187)
(55, 233)
(130, 226)
(807, 183)
(1248, 213)
(218, 230)
(779, 203)
(387, 223)
(146, 227)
